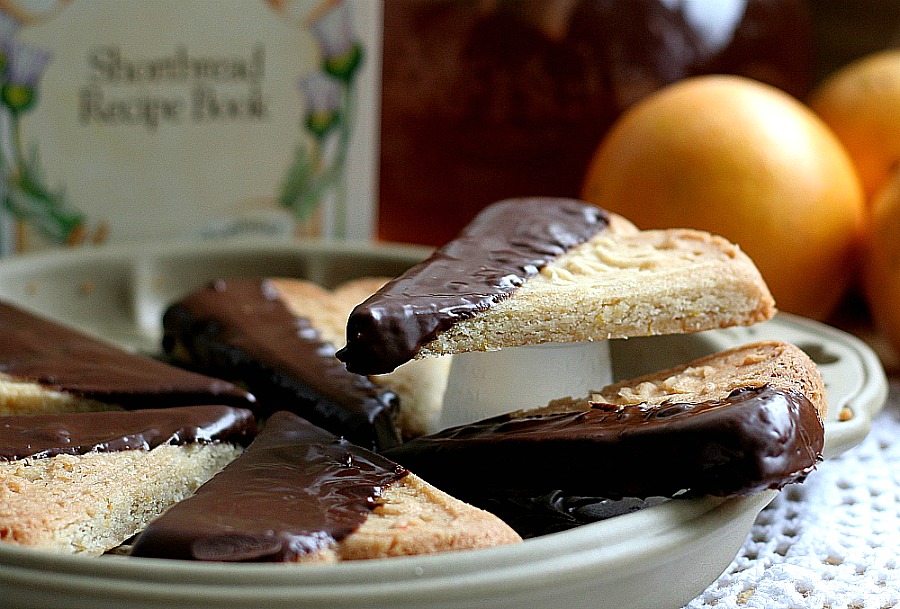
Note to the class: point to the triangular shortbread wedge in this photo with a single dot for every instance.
(300, 494)
(419, 384)
(732, 423)
(84, 483)
(245, 330)
(48, 367)
(530, 271)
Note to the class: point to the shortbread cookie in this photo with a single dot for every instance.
(733, 423)
(300, 494)
(47, 367)
(419, 384)
(243, 330)
(84, 483)
(529, 271)
(778, 364)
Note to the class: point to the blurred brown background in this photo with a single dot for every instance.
(846, 29)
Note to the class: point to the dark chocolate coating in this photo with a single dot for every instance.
(241, 330)
(755, 439)
(38, 350)
(498, 251)
(48, 435)
(554, 511)
(297, 489)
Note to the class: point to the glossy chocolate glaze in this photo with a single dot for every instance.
(296, 490)
(38, 350)
(76, 434)
(756, 438)
(241, 330)
(504, 245)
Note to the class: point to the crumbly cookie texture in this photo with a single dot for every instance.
(623, 282)
(91, 503)
(413, 517)
(420, 385)
(18, 397)
(778, 364)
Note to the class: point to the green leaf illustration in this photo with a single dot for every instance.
(296, 188)
(30, 199)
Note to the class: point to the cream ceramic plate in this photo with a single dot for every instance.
(659, 557)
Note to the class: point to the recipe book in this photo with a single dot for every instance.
(130, 120)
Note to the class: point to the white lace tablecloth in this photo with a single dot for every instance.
(832, 542)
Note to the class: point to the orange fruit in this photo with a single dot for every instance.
(861, 103)
(882, 261)
(744, 160)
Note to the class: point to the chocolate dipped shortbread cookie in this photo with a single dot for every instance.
(48, 367)
(545, 270)
(301, 494)
(419, 384)
(245, 330)
(732, 423)
(84, 483)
